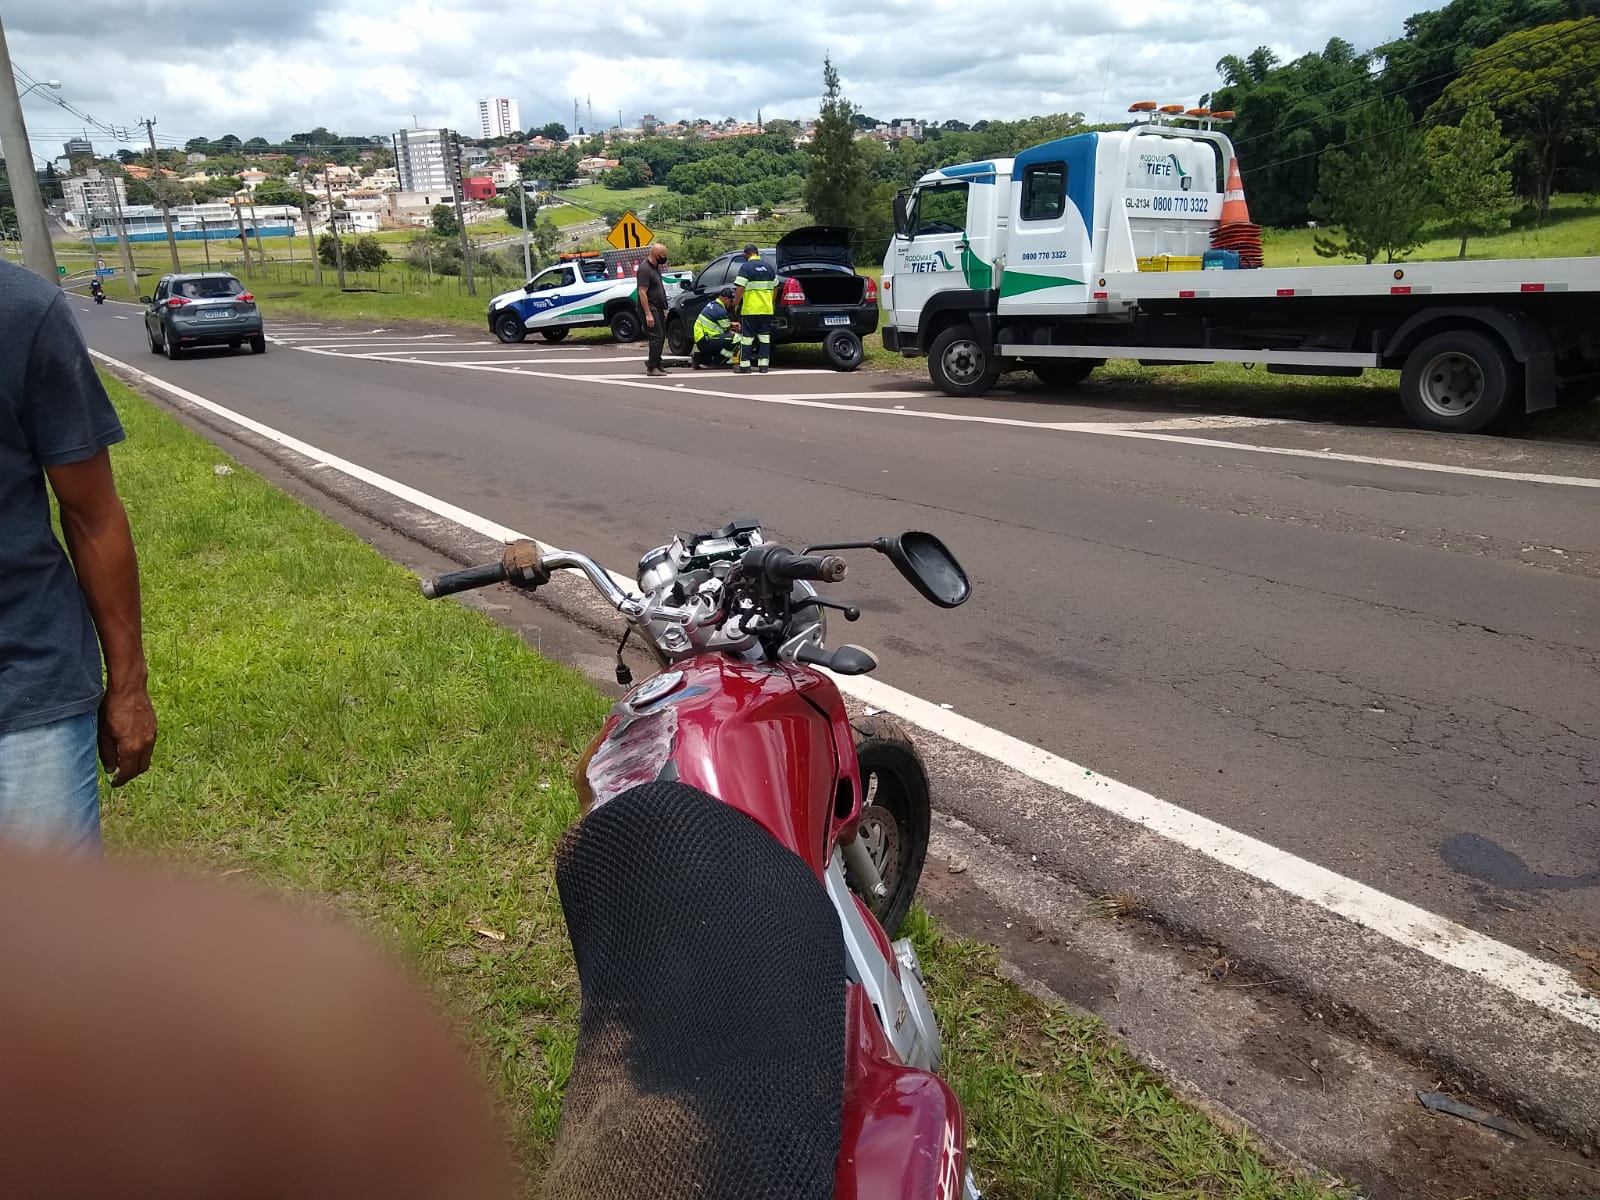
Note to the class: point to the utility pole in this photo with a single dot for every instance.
(38, 252)
(244, 242)
(333, 228)
(160, 186)
(205, 240)
(454, 166)
(261, 255)
(527, 252)
(311, 239)
(122, 237)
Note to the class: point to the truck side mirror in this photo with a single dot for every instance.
(902, 215)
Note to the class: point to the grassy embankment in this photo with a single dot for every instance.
(406, 764)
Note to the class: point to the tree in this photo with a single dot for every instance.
(1438, 45)
(1287, 114)
(365, 253)
(196, 145)
(1376, 189)
(258, 143)
(126, 156)
(631, 172)
(555, 131)
(1545, 85)
(276, 191)
(444, 222)
(513, 199)
(327, 250)
(836, 178)
(1468, 175)
(546, 236)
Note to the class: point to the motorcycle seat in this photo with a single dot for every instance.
(711, 1041)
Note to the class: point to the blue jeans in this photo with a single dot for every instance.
(50, 786)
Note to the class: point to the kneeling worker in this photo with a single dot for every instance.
(714, 341)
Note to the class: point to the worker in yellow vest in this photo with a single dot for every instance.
(714, 334)
(755, 294)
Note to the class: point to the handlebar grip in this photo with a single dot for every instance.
(778, 565)
(464, 581)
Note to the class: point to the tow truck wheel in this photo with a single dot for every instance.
(508, 327)
(1065, 372)
(625, 325)
(559, 334)
(961, 365)
(1460, 381)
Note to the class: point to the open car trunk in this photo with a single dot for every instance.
(825, 286)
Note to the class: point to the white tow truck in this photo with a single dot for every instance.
(1104, 245)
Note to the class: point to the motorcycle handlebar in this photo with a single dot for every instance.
(464, 581)
(777, 565)
(525, 566)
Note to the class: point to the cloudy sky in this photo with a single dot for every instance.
(276, 67)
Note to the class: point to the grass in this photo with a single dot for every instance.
(1573, 231)
(329, 732)
(596, 196)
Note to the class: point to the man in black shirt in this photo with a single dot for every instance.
(653, 303)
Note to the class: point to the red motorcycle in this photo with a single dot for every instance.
(744, 857)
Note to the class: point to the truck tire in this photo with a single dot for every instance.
(896, 814)
(558, 334)
(508, 327)
(679, 344)
(625, 325)
(1460, 381)
(842, 349)
(1065, 373)
(960, 365)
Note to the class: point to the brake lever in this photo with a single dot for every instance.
(850, 611)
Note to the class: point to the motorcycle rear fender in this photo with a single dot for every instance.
(903, 1134)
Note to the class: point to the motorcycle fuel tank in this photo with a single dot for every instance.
(763, 738)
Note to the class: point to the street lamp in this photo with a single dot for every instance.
(54, 84)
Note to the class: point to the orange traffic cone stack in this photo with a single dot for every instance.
(1235, 232)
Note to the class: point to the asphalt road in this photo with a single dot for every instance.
(1388, 670)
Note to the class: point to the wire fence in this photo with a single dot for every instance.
(394, 277)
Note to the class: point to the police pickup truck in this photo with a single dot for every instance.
(579, 291)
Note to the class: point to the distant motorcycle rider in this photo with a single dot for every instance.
(97, 291)
(714, 333)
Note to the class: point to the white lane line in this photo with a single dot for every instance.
(1218, 421)
(459, 348)
(404, 356)
(825, 400)
(118, 317)
(1547, 985)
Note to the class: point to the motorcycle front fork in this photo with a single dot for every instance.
(863, 870)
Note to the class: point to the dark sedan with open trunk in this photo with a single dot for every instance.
(820, 296)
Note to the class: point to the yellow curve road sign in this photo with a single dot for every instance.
(630, 233)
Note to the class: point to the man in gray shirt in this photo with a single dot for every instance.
(59, 613)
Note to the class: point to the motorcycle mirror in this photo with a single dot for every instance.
(928, 564)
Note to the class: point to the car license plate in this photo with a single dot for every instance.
(839, 320)
(216, 314)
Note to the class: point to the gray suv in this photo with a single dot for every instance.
(209, 309)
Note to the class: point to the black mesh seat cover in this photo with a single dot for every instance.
(711, 1043)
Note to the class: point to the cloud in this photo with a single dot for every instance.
(373, 66)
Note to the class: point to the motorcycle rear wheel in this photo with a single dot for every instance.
(896, 815)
